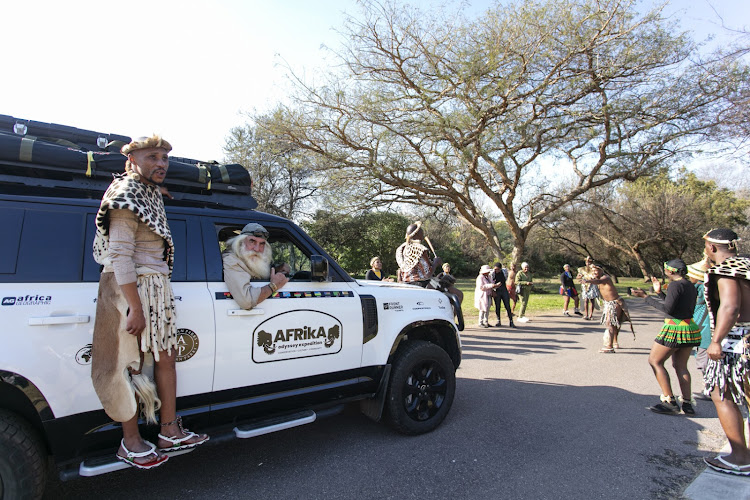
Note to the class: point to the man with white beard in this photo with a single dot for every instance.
(247, 257)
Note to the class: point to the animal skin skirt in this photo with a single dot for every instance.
(731, 374)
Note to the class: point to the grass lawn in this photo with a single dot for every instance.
(545, 296)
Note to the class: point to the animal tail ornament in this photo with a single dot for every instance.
(117, 360)
(145, 392)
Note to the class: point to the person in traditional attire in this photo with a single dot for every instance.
(614, 310)
(589, 291)
(248, 257)
(676, 339)
(727, 375)
(135, 311)
(415, 266)
(483, 295)
(413, 258)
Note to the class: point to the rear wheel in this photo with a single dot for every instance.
(421, 388)
(22, 459)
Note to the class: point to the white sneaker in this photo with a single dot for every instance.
(566, 313)
(523, 319)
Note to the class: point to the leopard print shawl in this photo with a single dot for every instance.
(733, 267)
(145, 201)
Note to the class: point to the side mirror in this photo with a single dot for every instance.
(319, 268)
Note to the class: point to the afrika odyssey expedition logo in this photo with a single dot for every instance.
(297, 334)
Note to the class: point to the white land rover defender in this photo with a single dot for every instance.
(321, 341)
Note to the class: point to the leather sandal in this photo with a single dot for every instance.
(177, 442)
(132, 455)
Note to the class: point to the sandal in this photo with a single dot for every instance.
(615, 346)
(177, 442)
(132, 455)
(607, 350)
(729, 467)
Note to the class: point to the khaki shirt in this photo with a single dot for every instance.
(237, 277)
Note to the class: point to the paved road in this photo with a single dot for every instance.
(538, 414)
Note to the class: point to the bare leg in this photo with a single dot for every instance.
(731, 421)
(567, 302)
(680, 362)
(131, 436)
(658, 356)
(166, 384)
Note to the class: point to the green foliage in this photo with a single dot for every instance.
(283, 182)
(431, 109)
(354, 240)
(639, 225)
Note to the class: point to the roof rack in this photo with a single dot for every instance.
(78, 163)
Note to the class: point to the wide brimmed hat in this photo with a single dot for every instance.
(485, 269)
(698, 270)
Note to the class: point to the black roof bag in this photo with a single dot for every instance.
(66, 154)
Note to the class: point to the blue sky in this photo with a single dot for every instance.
(189, 69)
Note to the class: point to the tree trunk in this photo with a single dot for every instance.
(519, 245)
(636, 252)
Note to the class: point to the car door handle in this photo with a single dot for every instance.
(245, 312)
(59, 320)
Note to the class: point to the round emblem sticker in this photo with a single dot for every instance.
(187, 344)
(83, 356)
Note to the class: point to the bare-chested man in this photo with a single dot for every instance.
(727, 372)
(614, 310)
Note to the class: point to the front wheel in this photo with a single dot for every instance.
(421, 388)
(22, 459)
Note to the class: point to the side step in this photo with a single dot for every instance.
(274, 424)
(97, 466)
(104, 465)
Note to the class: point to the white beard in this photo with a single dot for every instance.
(259, 264)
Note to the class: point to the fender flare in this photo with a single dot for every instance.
(30, 402)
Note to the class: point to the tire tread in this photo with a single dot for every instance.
(395, 417)
(21, 449)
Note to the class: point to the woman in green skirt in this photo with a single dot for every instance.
(677, 337)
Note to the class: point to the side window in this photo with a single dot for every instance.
(11, 221)
(91, 269)
(46, 245)
(284, 250)
(179, 238)
(178, 228)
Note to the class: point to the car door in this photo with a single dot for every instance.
(305, 329)
(194, 311)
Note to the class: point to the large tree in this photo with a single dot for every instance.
(283, 181)
(515, 114)
(649, 221)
